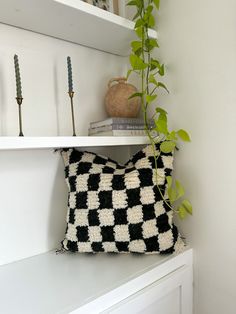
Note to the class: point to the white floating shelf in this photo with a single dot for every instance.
(72, 20)
(10, 143)
(65, 283)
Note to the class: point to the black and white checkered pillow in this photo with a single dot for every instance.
(118, 208)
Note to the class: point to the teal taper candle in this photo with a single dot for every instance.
(18, 79)
(70, 79)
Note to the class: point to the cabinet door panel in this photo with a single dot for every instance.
(166, 296)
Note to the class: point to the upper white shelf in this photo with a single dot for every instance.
(10, 143)
(72, 20)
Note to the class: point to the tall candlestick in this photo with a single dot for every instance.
(70, 79)
(18, 79)
(19, 98)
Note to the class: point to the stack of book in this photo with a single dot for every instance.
(118, 127)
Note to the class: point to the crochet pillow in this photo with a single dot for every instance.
(118, 208)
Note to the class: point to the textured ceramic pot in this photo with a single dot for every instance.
(117, 100)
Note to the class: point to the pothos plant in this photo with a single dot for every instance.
(149, 69)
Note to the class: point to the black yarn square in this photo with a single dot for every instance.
(71, 216)
(105, 199)
(75, 156)
(133, 197)
(82, 234)
(66, 171)
(107, 169)
(145, 176)
(99, 160)
(122, 246)
(81, 200)
(97, 247)
(107, 233)
(152, 244)
(72, 246)
(118, 182)
(120, 216)
(159, 162)
(162, 223)
(72, 183)
(138, 156)
(93, 218)
(83, 167)
(93, 182)
(135, 231)
(148, 212)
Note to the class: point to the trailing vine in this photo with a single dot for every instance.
(149, 69)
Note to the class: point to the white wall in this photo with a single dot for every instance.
(33, 194)
(198, 44)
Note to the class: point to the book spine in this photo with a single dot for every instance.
(120, 133)
(117, 127)
(133, 121)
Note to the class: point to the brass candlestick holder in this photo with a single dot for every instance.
(19, 102)
(71, 95)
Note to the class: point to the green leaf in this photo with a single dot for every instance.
(163, 86)
(172, 195)
(133, 2)
(167, 146)
(160, 110)
(151, 21)
(135, 95)
(180, 188)
(188, 206)
(137, 63)
(139, 23)
(172, 136)
(152, 79)
(169, 181)
(150, 43)
(182, 212)
(136, 45)
(161, 123)
(149, 9)
(150, 98)
(161, 70)
(139, 31)
(184, 135)
(157, 3)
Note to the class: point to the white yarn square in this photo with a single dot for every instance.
(147, 195)
(135, 214)
(81, 217)
(119, 199)
(137, 246)
(105, 183)
(84, 247)
(82, 182)
(168, 161)
(95, 234)
(72, 200)
(149, 228)
(132, 180)
(165, 240)
(109, 247)
(92, 200)
(121, 233)
(106, 217)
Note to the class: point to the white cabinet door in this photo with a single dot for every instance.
(170, 295)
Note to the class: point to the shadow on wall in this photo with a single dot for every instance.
(2, 102)
(58, 207)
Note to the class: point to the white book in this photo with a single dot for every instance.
(116, 121)
(119, 133)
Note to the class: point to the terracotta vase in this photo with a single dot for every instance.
(117, 100)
